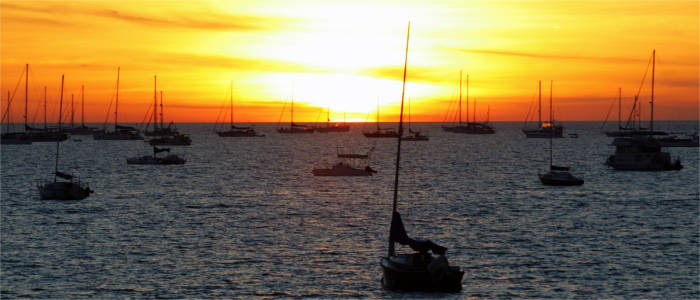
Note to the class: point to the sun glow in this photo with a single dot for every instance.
(348, 56)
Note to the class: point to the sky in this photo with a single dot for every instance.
(347, 56)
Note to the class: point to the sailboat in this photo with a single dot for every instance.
(120, 132)
(413, 135)
(473, 127)
(335, 127)
(642, 152)
(419, 271)
(63, 190)
(544, 129)
(36, 134)
(380, 132)
(161, 130)
(12, 138)
(293, 127)
(348, 164)
(236, 131)
(164, 135)
(557, 175)
(82, 129)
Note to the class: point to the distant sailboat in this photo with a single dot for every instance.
(557, 175)
(642, 152)
(381, 132)
(36, 134)
(633, 126)
(334, 127)
(63, 190)
(158, 128)
(413, 135)
(473, 127)
(419, 271)
(82, 129)
(293, 127)
(544, 129)
(12, 138)
(236, 131)
(120, 132)
(164, 135)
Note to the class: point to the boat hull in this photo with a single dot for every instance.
(419, 277)
(150, 160)
(471, 128)
(390, 134)
(659, 161)
(559, 179)
(63, 191)
(295, 130)
(238, 133)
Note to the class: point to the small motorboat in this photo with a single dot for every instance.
(348, 165)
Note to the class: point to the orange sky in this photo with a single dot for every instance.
(348, 55)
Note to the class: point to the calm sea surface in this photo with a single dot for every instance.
(244, 217)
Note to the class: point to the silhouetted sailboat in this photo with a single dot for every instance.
(413, 135)
(473, 127)
(334, 127)
(12, 138)
(236, 131)
(419, 271)
(544, 129)
(380, 132)
(82, 129)
(642, 152)
(63, 190)
(557, 175)
(165, 135)
(293, 127)
(120, 132)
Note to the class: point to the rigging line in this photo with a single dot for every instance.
(636, 96)
(14, 92)
(109, 108)
(279, 121)
(218, 115)
(612, 104)
(529, 111)
(148, 116)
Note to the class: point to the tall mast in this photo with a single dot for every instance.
(488, 113)
(72, 112)
(539, 102)
(45, 127)
(26, 96)
(619, 108)
(467, 98)
(60, 109)
(116, 105)
(460, 98)
(653, 66)
(398, 147)
(7, 127)
(328, 116)
(551, 124)
(377, 113)
(82, 104)
(161, 108)
(155, 104)
(232, 103)
(474, 112)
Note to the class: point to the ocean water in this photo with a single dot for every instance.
(244, 217)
